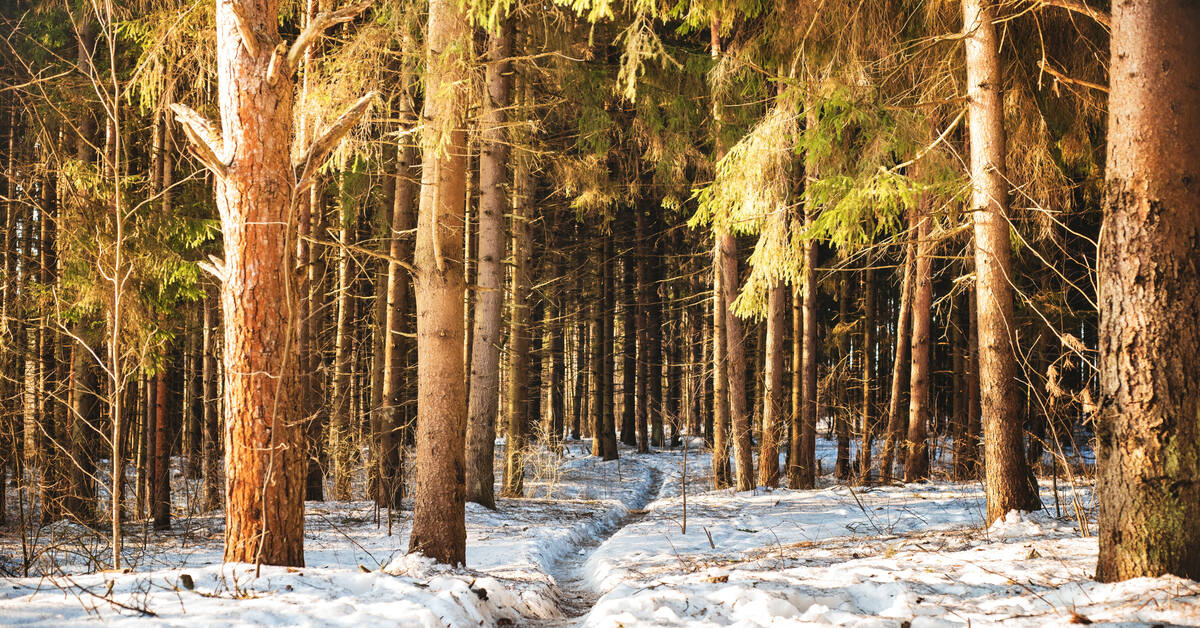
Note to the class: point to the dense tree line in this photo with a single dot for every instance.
(323, 250)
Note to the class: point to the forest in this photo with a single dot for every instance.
(600, 312)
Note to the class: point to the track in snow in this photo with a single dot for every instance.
(576, 598)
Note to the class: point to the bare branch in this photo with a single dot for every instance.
(1071, 81)
(249, 39)
(1078, 6)
(319, 150)
(317, 27)
(204, 138)
(214, 266)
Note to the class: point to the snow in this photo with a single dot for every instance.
(602, 544)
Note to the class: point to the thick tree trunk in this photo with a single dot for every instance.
(489, 300)
(916, 466)
(439, 528)
(1148, 432)
(264, 457)
(1009, 483)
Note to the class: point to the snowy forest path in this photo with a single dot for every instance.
(576, 596)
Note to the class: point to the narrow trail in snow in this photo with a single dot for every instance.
(576, 597)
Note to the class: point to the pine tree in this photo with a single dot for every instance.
(439, 528)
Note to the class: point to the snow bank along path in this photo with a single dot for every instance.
(601, 544)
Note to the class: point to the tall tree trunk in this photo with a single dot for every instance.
(211, 461)
(607, 316)
(895, 424)
(53, 417)
(796, 422)
(341, 432)
(1008, 483)
(916, 466)
(556, 327)
(654, 346)
(641, 320)
(147, 457)
(579, 389)
(736, 363)
(974, 420)
(255, 188)
(83, 385)
(439, 527)
(493, 199)
(595, 366)
(842, 419)
(866, 420)
(629, 335)
(962, 442)
(311, 221)
(395, 349)
(517, 432)
(160, 497)
(776, 394)
(1149, 434)
(8, 359)
(806, 471)
(722, 474)
(707, 341)
(310, 264)
(191, 408)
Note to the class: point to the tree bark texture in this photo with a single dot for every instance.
(916, 465)
(776, 395)
(493, 200)
(517, 407)
(735, 363)
(1149, 424)
(439, 528)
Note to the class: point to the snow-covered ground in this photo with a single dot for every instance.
(603, 544)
